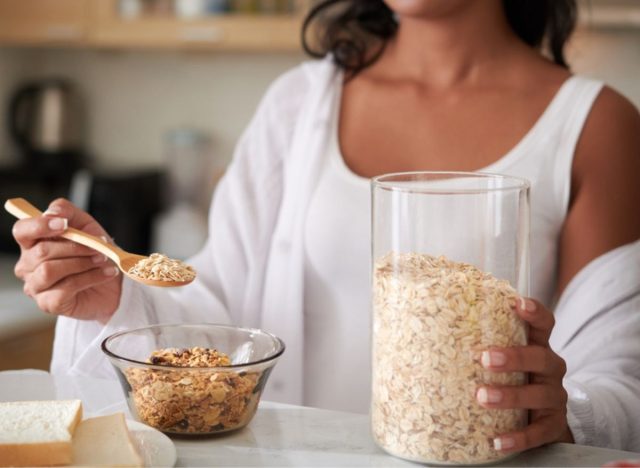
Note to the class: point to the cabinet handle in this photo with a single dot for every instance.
(63, 32)
(201, 34)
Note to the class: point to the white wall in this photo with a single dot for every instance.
(612, 55)
(133, 98)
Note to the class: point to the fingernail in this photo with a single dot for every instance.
(52, 211)
(110, 271)
(489, 395)
(99, 258)
(104, 239)
(58, 224)
(528, 305)
(504, 443)
(493, 359)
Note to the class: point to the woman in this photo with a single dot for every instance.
(407, 85)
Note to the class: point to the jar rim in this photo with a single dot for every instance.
(410, 182)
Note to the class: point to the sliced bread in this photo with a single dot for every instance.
(38, 433)
(104, 441)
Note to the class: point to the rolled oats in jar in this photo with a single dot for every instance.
(450, 261)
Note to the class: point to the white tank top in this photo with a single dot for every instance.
(337, 244)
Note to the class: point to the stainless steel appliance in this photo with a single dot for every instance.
(46, 124)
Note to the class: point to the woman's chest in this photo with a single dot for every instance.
(396, 130)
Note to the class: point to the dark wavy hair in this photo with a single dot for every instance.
(357, 31)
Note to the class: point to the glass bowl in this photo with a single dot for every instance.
(193, 400)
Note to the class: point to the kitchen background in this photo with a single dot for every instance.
(158, 92)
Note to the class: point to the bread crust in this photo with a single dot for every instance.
(42, 454)
(53, 453)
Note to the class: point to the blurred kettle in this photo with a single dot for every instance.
(45, 123)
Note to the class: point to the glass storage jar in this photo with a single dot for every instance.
(450, 259)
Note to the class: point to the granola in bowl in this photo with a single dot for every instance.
(196, 401)
(197, 390)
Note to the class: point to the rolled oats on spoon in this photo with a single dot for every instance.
(158, 267)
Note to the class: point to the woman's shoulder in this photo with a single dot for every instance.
(612, 105)
(608, 151)
(612, 128)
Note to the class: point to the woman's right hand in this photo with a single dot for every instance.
(63, 277)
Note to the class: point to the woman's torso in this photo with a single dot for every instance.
(337, 241)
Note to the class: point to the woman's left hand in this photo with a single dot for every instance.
(544, 394)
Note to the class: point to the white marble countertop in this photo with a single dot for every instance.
(279, 435)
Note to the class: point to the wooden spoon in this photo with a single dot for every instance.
(21, 209)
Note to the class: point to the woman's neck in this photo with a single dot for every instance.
(452, 50)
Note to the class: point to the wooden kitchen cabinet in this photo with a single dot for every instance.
(44, 22)
(226, 31)
(103, 24)
(27, 350)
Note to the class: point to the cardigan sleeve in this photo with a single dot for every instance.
(603, 381)
(230, 267)
(597, 333)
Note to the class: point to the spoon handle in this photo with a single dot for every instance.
(21, 209)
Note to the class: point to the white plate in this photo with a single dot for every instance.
(156, 449)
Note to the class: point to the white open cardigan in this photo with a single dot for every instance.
(251, 273)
